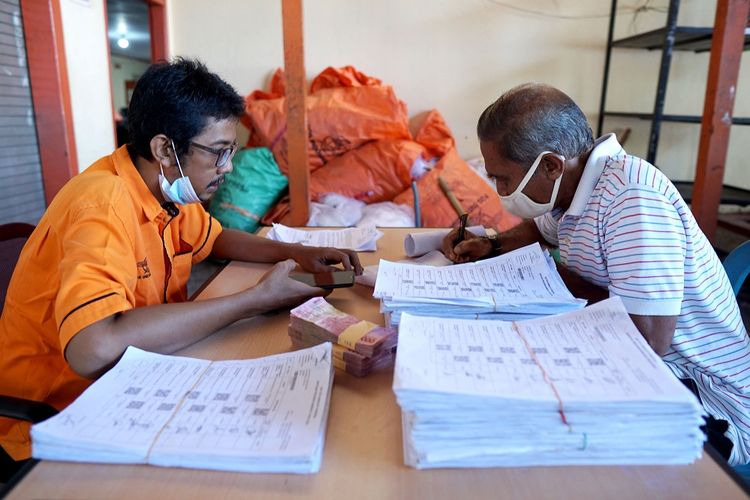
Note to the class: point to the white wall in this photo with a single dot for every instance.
(86, 52)
(124, 69)
(460, 55)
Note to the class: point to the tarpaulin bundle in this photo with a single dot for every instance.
(360, 146)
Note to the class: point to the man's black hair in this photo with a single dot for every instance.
(176, 99)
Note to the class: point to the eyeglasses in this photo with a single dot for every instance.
(223, 155)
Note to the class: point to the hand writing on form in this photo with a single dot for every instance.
(462, 246)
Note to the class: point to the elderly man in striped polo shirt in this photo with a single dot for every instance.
(623, 229)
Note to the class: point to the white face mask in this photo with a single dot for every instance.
(181, 190)
(521, 205)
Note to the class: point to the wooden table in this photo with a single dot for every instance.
(363, 453)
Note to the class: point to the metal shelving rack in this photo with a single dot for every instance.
(667, 39)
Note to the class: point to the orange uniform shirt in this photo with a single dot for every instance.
(105, 245)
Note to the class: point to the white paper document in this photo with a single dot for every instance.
(361, 239)
(582, 387)
(519, 284)
(260, 415)
(434, 258)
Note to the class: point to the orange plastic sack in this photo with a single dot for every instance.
(473, 194)
(375, 172)
(339, 118)
(348, 76)
(431, 131)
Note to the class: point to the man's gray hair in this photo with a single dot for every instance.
(532, 118)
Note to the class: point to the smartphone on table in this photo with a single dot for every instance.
(327, 280)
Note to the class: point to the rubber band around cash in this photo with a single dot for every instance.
(353, 334)
(561, 408)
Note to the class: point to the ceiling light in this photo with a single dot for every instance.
(123, 43)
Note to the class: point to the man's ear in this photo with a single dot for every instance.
(161, 149)
(552, 166)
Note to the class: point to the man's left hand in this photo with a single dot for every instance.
(320, 259)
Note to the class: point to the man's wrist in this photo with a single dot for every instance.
(494, 238)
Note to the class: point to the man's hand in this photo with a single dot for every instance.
(321, 260)
(472, 247)
(281, 292)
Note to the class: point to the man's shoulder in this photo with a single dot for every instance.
(97, 187)
(629, 169)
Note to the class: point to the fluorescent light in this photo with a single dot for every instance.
(123, 43)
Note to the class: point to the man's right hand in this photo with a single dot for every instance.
(281, 291)
(472, 247)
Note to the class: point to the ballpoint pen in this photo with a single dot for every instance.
(461, 229)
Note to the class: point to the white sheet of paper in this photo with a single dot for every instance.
(579, 351)
(266, 414)
(433, 258)
(510, 278)
(361, 239)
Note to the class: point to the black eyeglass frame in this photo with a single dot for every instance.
(222, 155)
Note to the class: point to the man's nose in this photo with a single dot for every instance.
(227, 168)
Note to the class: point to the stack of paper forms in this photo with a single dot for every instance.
(578, 388)
(521, 284)
(259, 415)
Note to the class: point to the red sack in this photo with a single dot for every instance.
(431, 131)
(473, 194)
(375, 172)
(339, 119)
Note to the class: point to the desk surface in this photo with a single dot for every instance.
(363, 453)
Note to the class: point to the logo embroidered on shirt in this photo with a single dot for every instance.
(143, 270)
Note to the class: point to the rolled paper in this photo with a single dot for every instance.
(416, 244)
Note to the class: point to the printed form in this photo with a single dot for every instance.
(593, 354)
(169, 410)
(362, 239)
(517, 276)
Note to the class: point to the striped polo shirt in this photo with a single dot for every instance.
(629, 230)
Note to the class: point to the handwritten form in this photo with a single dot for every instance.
(580, 387)
(362, 239)
(264, 415)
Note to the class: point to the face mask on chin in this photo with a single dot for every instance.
(521, 205)
(181, 190)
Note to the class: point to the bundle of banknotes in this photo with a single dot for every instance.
(359, 346)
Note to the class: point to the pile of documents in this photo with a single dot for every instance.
(579, 388)
(359, 346)
(258, 415)
(520, 284)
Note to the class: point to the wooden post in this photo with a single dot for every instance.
(157, 23)
(296, 133)
(50, 91)
(726, 50)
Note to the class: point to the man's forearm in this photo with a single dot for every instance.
(238, 245)
(163, 328)
(581, 288)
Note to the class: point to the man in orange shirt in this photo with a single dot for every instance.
(108, 264)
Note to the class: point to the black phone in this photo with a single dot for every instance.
(328, 280)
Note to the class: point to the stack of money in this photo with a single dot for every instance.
(345, 359)
(359, 346)
(318, 318)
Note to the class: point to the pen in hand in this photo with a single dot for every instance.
(461, 229)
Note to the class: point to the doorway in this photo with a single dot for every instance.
(130, 48)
